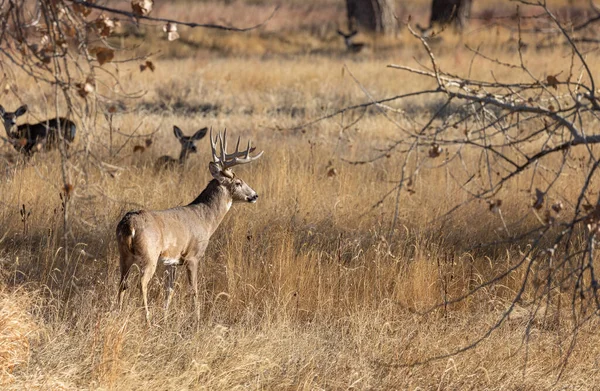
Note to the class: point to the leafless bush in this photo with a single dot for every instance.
(534, 129)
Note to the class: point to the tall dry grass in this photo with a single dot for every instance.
(308, 289)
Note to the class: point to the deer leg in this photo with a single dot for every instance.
(125, 266)
(169, 285)
(192, 272)
(147, 274)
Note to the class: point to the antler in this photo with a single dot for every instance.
(229, 160)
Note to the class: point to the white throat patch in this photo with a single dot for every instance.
(229, 203)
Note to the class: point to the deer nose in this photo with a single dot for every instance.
(253, 198)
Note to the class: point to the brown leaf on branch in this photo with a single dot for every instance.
(149, 64)
(105, 25)
(68, 190)
(103, 55)
(142, 7)
(435, 150)
(81, 9)
(87, 87)
(592, 222)
(552, 81)
(557, 207)
(171, 30)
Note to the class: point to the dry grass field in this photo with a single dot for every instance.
(308, 288)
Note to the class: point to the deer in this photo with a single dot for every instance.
(30, 138)
(179, 236)
(352, 47)
(188, 145)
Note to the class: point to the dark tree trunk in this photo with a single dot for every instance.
(444, 12)
(372, 15)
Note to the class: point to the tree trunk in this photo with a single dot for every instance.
(444, 12)
(372, 15)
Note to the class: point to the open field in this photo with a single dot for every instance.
(312, 287)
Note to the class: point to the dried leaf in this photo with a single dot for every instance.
(495, 205)
(112, 109)
(592, 222)
(103, 55)
(105, 25)
(332, 172)
(142, 7)
(149, 65)
(435, 150)
(87, 87)
(171, 30)
(81, 9)
(557, 207)
(70, 31)
(148, 142)
(138, 148)
(68, 189)
(552, 81)
(539, 199)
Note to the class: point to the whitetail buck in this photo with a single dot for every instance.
(188, 145)
(179, 236)
(29, 138)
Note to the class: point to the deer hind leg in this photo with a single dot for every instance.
(125, 262)
(192, 273)
(147, 272)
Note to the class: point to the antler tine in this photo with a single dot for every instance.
(237, 157)
(225, 143)
(237, 146)
(213, 146)
(223, 155)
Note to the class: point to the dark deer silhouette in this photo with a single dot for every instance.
(353, 47)
(30, 138)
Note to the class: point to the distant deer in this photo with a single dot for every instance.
(29, 138)
(180, 235)
(188, 145)
(353, 47)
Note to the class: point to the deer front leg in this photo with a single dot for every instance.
(192, 272)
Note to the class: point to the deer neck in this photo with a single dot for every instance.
(215, 200)
(183, 156)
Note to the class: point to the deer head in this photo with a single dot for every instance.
(221, 166)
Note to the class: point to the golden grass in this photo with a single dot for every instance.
(307, 289)
(17, 331)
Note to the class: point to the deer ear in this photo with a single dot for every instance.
(199, 134)
(21, 110)
(221, 175)
(215, 171)
(177, 132)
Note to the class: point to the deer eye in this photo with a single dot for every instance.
(238, 184)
